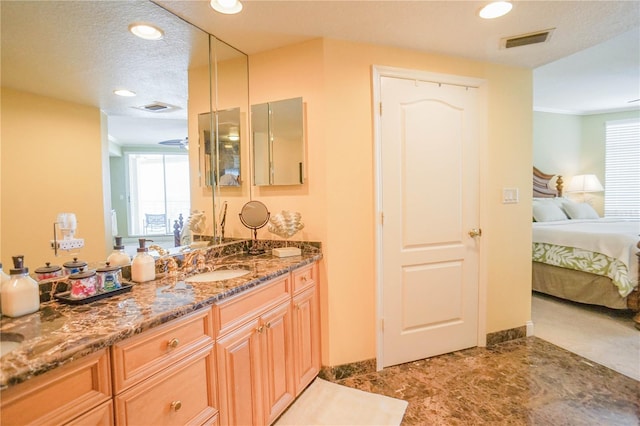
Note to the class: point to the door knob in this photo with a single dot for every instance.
(475, 232)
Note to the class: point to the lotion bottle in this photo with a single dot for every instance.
(118, 257)
(3, 278)
(143, 266)
(20, 295)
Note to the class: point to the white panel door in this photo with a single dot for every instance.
(429, 190)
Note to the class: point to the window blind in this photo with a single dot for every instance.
(622, 169)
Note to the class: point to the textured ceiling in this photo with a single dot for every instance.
(81, 50)
(447, 27)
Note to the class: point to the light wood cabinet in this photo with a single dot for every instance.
(254, 359)
(182, 394)
(63, 396)
(239, 371)
(166, 376)
(145, 354)
(277, 361)
(306, 326)
(102, 415)
(241, 362)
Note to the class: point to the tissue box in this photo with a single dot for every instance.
(286, 251)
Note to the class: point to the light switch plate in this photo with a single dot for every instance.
(510, 196)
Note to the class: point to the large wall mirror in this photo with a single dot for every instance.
(278, 142)
(60, 114)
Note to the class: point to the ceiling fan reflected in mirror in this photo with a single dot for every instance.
(178, 143)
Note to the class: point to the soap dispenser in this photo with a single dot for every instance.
(143, 266)
(118, 257)
(20, 295)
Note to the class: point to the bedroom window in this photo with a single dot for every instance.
(622, 174)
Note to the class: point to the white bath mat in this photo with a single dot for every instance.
(326, 403)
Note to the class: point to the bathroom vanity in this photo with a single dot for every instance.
(171, 351)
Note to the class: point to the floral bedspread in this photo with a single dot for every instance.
(587, 261)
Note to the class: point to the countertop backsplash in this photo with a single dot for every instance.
(212, 254)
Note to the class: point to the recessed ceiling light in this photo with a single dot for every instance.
(124, 92)
(495, 9)
(146, 31)
(228, 7)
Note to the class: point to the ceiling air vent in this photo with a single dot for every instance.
(157, 107)
(525, 39)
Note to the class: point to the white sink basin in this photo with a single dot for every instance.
(219, 275)
(9, 342)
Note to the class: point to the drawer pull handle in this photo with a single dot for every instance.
(173, 343)
(303, 278)
(176, 405)
(260, 329)
(269, 325)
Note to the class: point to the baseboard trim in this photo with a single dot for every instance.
(343, 371)
(530, 329)
(506, 335)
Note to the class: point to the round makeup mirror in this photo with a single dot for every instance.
(254, 215)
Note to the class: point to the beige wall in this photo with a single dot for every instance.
(337, 200)
(51, 163)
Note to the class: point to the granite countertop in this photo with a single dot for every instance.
(60, 333)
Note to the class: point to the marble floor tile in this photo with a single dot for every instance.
(525, 381)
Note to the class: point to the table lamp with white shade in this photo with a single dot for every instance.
(584, 184)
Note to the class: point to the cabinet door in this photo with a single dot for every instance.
(306, 338)
(60, 395)
(277, 359)
(239, 376)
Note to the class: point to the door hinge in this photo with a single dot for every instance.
(382, 324)
(381, 218)
(380, 107)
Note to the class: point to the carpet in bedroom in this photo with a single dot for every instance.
(602, 335)
(326, 403)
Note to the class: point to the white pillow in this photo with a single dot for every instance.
(562, 201)
(580, 211)
(559, 201)
(547, 212)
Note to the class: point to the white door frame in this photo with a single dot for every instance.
(383, 71)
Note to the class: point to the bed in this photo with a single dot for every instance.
(577, 255)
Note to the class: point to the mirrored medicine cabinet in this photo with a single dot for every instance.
(220, 160)
(278, 142)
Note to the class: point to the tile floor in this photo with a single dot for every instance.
(526, 381)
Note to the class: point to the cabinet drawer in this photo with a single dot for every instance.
(304, 277)
(182, 394)
(141, 356)
(99, 416)
(61, 395)
(235, 311)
